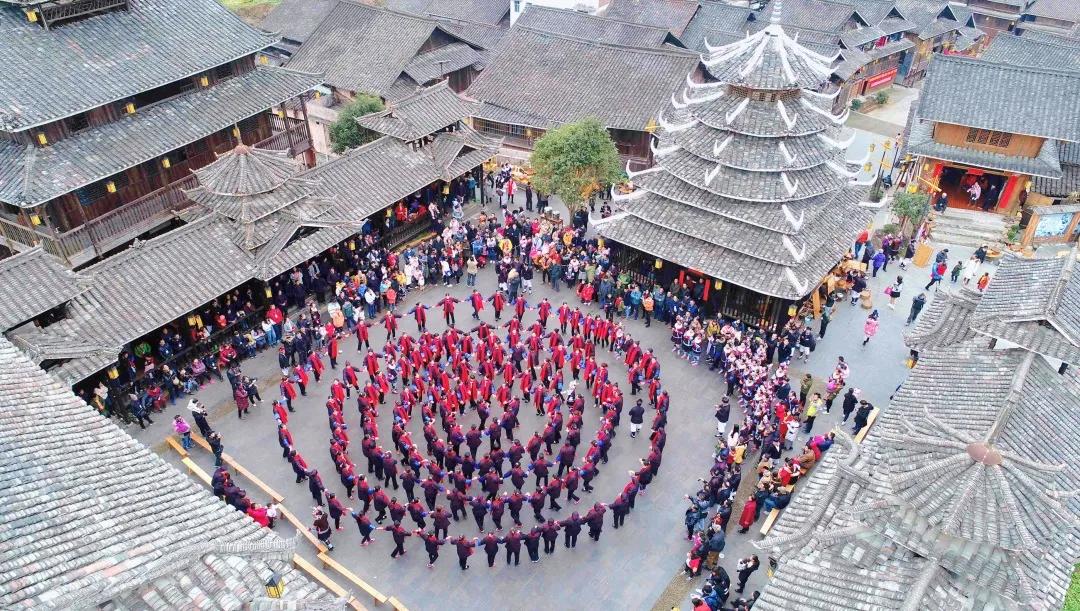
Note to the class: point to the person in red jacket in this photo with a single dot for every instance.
(447, 304)
(477, 302)
(287, 392)
(746, 518)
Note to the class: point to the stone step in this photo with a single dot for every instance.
(952, 240)
(991, 233)
(972, 216)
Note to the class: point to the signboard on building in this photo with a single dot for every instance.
(881, 79)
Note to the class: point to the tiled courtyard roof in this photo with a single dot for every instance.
(363, 48)
(672, 15)
(1069, 184)
(717, 23)
(1062, 10)
(592, 27)
(94, 519)
(567, 79)
(1034, 52)
(99, 152)
(418, 115)
(32, 283)
(964, 494)
(491, 12)
(921, 142)
(439, 62)
(750, 183)
(51, 74)
(1006, 103)
(297, 19)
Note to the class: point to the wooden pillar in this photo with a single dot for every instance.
(1007, 191)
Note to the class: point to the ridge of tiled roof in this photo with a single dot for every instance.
(435, 64)
(717, 23)
(673, 15)
(920, 141)
(52, 74)
(568, 78)
(1008, 103)
(93, 518)
(1051, 293)
(490, 12)
(100, 152)
(592, 27)
(946, 321)
(33, 282)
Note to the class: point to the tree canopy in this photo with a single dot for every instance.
(910, 207)
(345, 132)
(574, 161)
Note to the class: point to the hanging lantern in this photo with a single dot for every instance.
(42, 139)
(113, 373)
(911, 188)
(659, 264)
(352, 244)
(872, 147)
(888, 144)
(599, 242)
(205, 82)
(1027, 186)
(110, 187)
(792, 311)
(269, 293)
(264, 60)
(35, 219)
(165, 163)
(718, 284)
(192, 321)
(129, 108)
(867, 167)
(275, 586)
(236, 132)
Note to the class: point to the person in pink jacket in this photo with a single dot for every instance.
(870, 326)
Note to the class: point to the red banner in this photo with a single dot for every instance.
(884, 77)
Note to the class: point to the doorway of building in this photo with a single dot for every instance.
(957, 184)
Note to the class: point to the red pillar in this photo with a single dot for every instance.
(1006, 193)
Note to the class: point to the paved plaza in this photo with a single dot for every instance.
(628, 568)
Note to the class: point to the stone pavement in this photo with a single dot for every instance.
(629, 568)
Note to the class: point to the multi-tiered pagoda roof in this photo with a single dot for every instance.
(750, 185)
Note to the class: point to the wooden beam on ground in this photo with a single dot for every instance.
(241, 470)
(303, 529)
(194, 469)
(869, 423)
(397, 605)
(330, 563)
(324, 580)
(770, 521)
(174, 443)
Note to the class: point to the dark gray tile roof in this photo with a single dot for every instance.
(592, 27)
(490, 12)
(820, 15)
(93, 517)
(716, 22)
(420, 114)
(247, 171)
(1033, 336)
(1069, 183)
(873, 11)
(1051, 293)
(673, 15)
(566, 79)
(1034, 53)
(861, 36)
(921, 142)
(297, 19)
(1032, 101)
(1069, 37)
(100, 152)
(84, 64)
(1063, 10)
(32, 283)
(363, 48)
(117, 308)
(437, 63)
(945, 322)
(912, 521)
(482, 35)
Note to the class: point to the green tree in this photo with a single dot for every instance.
(910, 207)
(345, 132)
(574, 161)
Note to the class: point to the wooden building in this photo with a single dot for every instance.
(387, 53)
(542, 76)
(97, 140)
(751, 197)
(999, 124)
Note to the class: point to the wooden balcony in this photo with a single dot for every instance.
(113, 229)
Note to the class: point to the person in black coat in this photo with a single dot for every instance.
(571, 528)
(464, 550)
(315, 486)
(595, 520)
(399, 533)
(491, 547)
(550, 532)
(431, 545)
(637, 418)
(532, 543)
(850, 401)
(512, 542)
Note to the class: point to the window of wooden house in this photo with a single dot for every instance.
(91, 193)
(988, 137)
(77, 123)
(223, 72)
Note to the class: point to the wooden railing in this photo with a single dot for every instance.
(111, 229)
